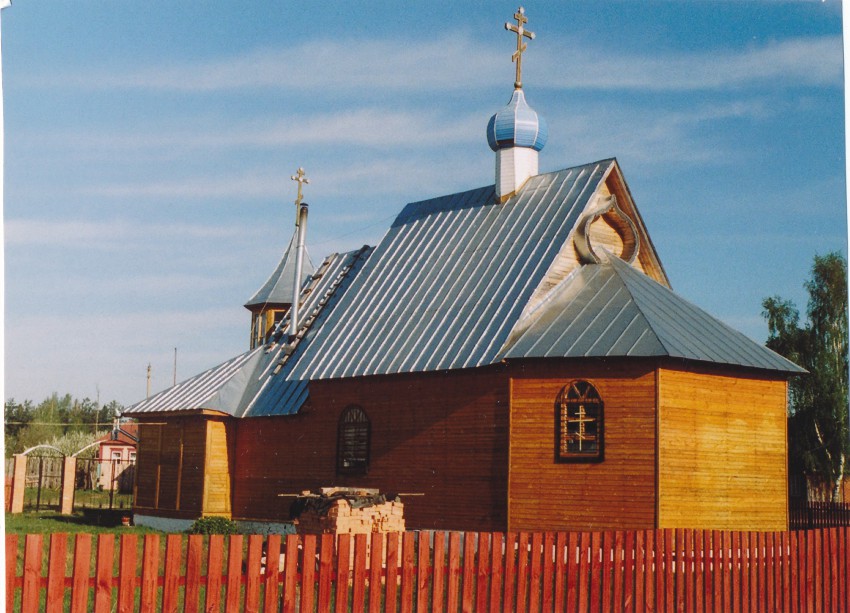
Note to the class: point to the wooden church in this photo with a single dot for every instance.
(514, 353)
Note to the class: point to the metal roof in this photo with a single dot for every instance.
(612, 309)
(278, 287)
(450, 279)
(246, 383)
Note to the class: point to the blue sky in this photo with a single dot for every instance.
(149, 148)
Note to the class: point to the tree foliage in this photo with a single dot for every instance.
(818, 401)
(56, 418)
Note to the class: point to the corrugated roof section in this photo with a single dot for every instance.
(612, 309)
(247, 383)
(449, 280)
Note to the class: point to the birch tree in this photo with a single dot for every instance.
(818, 402)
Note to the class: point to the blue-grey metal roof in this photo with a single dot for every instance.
(246, 384)
(279, 286)
(612, 309)
(450, 279)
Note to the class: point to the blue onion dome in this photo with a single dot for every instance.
(517, 125)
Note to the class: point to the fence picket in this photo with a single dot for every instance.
(150, 572)
(192, 591)
(308, 570)
(595, 572)
(453, 579)
(535, 580)
(173, 558)
(252, 579)
(584, 571)
(439, 587)
(548, 570)
(376, 564)
(32, 573)
(56, 573)
(424, 571)
(573, 559)
(408, 571)
(561, 551)
(271, 601)
(497, 557)
(234, 573)
(483, 572)
(80, 581)
(103, 573)
(391, 598)
(343, 551)
(522, 572)
(607, 570)
(215, 557)
(468, 586)
(326, 558)
(358, 592)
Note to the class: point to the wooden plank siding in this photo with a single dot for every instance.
(441, 435)
(722, 450)
(615, 494)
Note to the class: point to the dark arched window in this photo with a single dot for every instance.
(352, 446)
(580, 422)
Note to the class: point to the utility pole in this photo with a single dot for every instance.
(149, 381)
(175, 366)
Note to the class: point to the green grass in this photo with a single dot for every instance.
(43, 522)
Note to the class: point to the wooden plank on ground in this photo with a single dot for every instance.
(308, 572)
(32, 573)
(376, 564)
(150, 573)
(194, 556)
(358, 592)
(453, 578)
(343, 553)
(56, 572)
(82, 572)
(271, 579)
(127, 573)
(393, 550)
(234, 572)
(252, 580)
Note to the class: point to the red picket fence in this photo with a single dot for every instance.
(654, 570)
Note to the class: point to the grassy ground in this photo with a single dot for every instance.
(42, 522)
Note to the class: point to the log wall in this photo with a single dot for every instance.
(722, 451)
(617, 493)
(433, 434)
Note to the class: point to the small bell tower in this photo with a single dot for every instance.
(273, 301)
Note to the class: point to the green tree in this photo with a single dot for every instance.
(818, 402)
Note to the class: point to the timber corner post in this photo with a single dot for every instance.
(19, 480)
(69, 471)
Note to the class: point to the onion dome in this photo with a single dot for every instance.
(517, 125)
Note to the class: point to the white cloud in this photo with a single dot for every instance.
(415, 66)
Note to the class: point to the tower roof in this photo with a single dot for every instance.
(278, 288)
(517, 125)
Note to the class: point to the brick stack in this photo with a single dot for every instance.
(348, 511)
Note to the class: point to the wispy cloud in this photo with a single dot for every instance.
(416, 66)
(815, 61)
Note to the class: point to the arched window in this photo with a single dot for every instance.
(352, 446)
(580, 423)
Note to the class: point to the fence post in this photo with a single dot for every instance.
(69, 473)
(19, 482)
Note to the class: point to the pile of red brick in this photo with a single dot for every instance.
(341, 510)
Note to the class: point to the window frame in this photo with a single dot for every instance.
(353, 418)
(591, 392)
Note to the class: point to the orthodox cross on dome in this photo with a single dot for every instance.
(302, 179)
(520, 45)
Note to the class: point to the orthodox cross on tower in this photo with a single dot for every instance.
(302, 179)
(520, 45)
